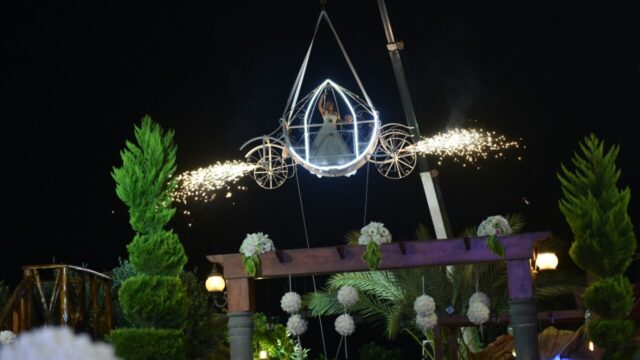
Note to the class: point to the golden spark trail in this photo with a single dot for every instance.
(465, 145)
(203, 184)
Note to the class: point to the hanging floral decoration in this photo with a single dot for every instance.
(296, 325)
(373, 235)
(492, 227)
(291, 302)
(347, 296)
(425, 308)
(345, 325)
(479, 308)
(252, 246)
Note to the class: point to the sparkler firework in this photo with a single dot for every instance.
(203, 184)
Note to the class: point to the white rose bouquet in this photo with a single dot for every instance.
(492, 227)
(373, 235)
(252, 246)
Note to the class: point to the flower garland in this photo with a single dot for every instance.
(492, 227)
(373, 235)
(54, 343)
(252, 246)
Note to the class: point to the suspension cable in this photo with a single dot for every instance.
(306, 236)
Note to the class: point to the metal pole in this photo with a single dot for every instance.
(429, 178)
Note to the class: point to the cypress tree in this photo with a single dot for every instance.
(604, 242)
(154, 301)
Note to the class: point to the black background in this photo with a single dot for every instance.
(77, 75)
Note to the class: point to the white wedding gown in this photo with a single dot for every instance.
(328, 147)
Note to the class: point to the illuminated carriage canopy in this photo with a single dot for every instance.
(331, 131)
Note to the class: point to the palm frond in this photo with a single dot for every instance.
(351, 237)
(423, 233)
(516, 221)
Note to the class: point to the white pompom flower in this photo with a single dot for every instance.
(291, 302)
(56, 343)
(424, 305)
(296, 325)
(345, 325)
(376, 232)
(478, 313)
(426, 322)
(494, 225)
(347, 296)
(480, 297)
(7, 337)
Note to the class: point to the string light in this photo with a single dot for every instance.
(204, 183)
(466, 146)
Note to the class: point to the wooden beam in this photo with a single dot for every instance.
(329, 260)
(544, 317)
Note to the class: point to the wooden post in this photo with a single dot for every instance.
(522, 310)
(108, 308)
(64, 294)
(437, 342)
(93, 305)
(240, 311)
(453, 342)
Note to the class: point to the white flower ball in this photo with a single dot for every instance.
(347, 296)
(424, 305)
(56, 343)
(345, 325)
(478, 313)
(480, 297)
(426, 322)
(296, 325)
(291, 302)
(494, 225)
(7, 337)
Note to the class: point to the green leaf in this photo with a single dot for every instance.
(372, 255)
(251, 264)
(494, 244)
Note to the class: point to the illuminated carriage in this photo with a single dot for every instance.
(337, 144)
(358, 128)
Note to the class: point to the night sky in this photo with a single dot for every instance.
(77, 75)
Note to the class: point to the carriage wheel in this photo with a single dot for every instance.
(394, 160)
(271, 169)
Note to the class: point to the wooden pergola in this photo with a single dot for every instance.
(405, 254)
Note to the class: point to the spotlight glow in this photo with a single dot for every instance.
(203, 184)
(466, 146)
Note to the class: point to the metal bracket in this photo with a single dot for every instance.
(395, 46)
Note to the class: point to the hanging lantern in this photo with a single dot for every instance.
(546, 261)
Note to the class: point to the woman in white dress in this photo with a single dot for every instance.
(328, 147)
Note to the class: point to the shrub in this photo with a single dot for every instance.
(610, 334)
(158, 253)
(373, 351)
(154, 301)
(204, 327)
(148, 344)
(610, 297)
